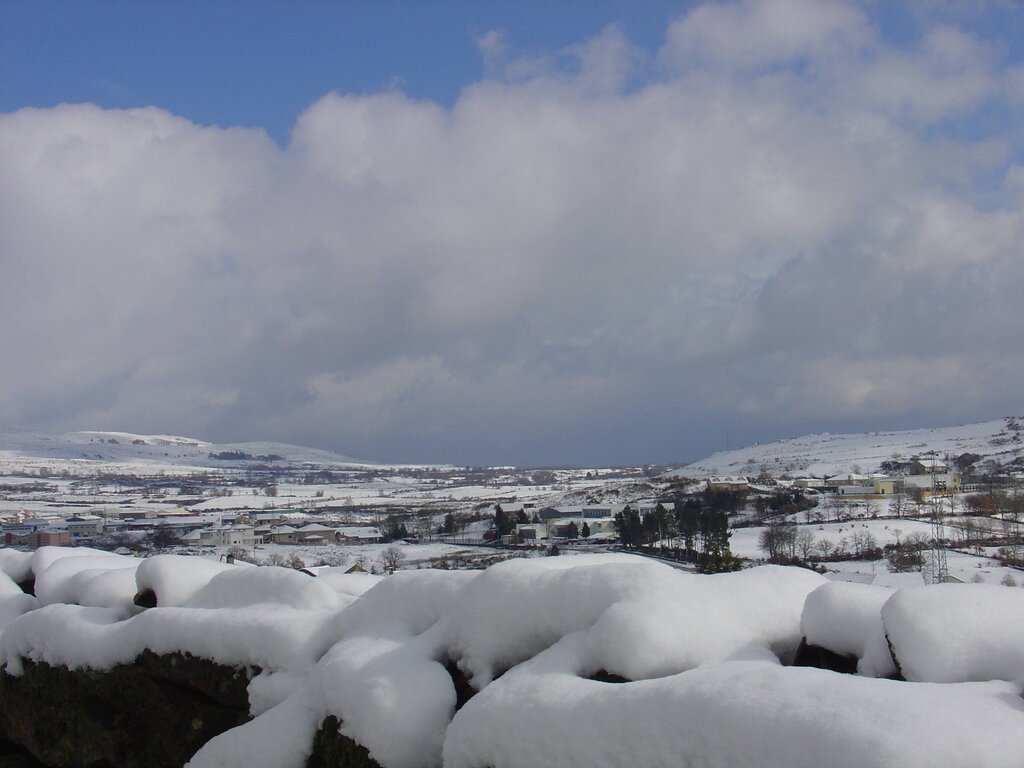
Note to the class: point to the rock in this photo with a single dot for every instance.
(157, 711)
(333, 750)
(810, 655)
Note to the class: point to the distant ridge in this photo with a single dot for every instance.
(830, 454)
(126, 451)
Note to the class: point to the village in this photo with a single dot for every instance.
(464, 519)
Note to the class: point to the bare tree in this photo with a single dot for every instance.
(863, 543)
(391, 558)
(805, 543)
(898, 503)
(778, 541)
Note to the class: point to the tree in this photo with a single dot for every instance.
(805, 543)
(503, 524)
(908, 555)
(393, 529)
(964, 463)
(716, 556)
(449, 523)
(778, 541)
(585, 530)
(629, 527)
(864, 544)
(572, 530)
(391, 558)
(688, 522)
(898, 501)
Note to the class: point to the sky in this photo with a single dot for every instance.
(511, 233)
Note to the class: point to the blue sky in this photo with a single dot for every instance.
(262, 63)
(495, 232)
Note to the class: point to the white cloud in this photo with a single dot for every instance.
(568, 264)
(758, 33)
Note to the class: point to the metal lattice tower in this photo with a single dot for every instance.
(940, 571)
(939, 568)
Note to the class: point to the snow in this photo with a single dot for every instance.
(832, 454)
(15, 564)
(742, 713)
(176, 578)
(846, 618)
(354, 584)
(704, 656)
(242, 587)
(104, 580)
(950, 633)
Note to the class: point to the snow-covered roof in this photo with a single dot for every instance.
(315, 527)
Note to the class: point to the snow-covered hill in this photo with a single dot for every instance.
(829, 454)
(127, 452)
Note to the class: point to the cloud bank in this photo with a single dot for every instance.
(779, 221)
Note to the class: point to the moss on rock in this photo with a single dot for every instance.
(331, 749)
(157, 711)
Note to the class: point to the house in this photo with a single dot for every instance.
(809, 482)
(224, 536)
(946, 482)
(314, 533)
(357, 535)
(284, 534)
(928, 467)
(84, 525)
(728, 483)
(856, 490)
(884, 486)
(530, 533)
(18, 534)
(53, 537)
(850, 478)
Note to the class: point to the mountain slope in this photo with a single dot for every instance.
(123, 451)
(830, 454)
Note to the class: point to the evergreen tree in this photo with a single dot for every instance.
(715, 555)
(503, 524)
(585, 530)
(688, 521)
(629, 527)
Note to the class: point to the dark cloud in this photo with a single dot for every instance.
(769, 234)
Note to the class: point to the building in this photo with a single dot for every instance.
(850, 478)
(53, 537)
(84, 525)
(728, 484)
(224, 536)
(314, 533)
(946, 482)
(928, 467)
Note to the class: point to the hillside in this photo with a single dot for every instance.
(830, 454)
(127, 452)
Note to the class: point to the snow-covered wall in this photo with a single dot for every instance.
(704, 660)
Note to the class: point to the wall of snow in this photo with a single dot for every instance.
(704, 659)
